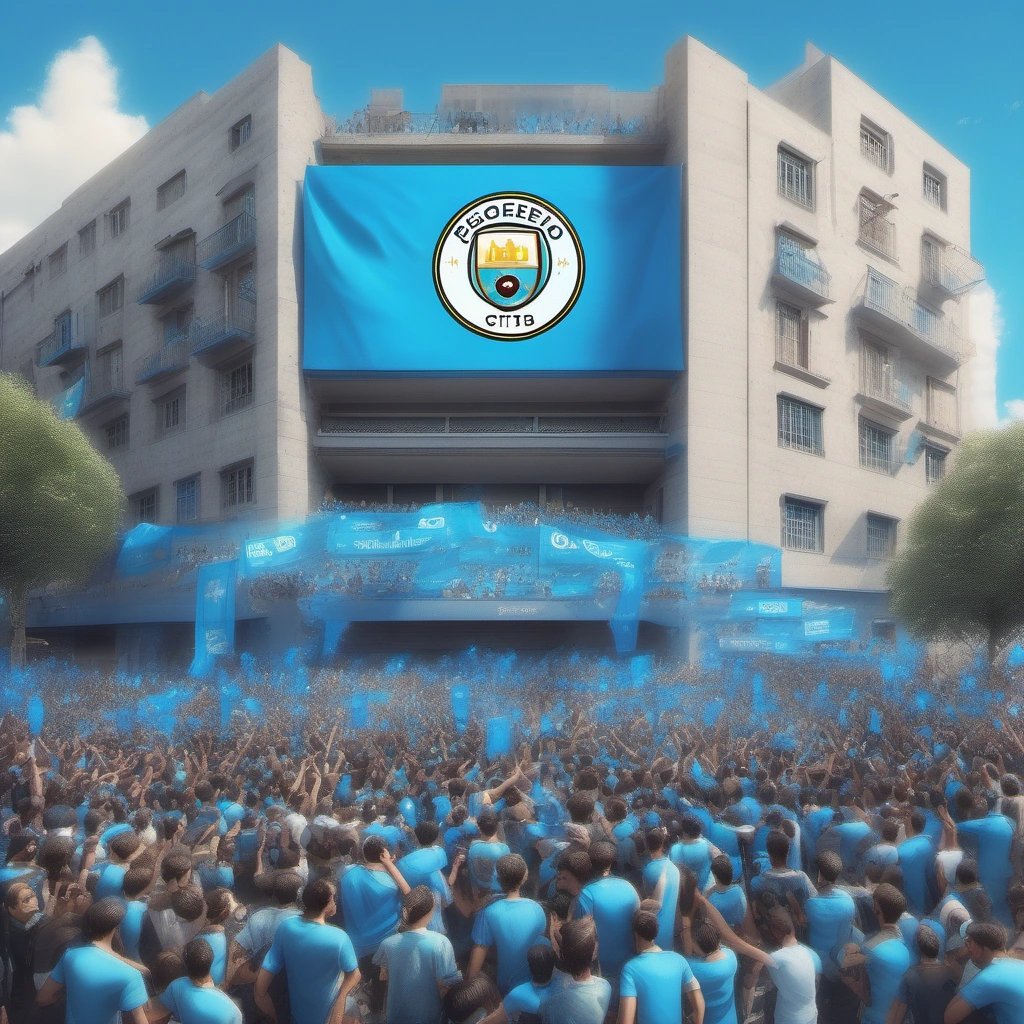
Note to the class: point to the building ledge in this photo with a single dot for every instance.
(819, 380)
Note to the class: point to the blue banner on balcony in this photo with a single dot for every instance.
(490, 269)
(215, 614)
(67, 403)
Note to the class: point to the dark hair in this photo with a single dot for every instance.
(56, 854)
(187, 903)
(373, 847)
(917, 822)
(317, 895)
(576, 863)
(721, 868)
(102, 918)
(124, 844)
(416, 904)
(167, 967)
(284, 888)
(175, 867)
(779, 922)
(541, 961)
(987, 934)
(890, 830)
(1010, 785)
(579, 941)
(511, 870)
(829, 864)
(468, 996)
(656, 839)
(967, 872)
(690, 826)
(580, 808)
(687, 890)
(928, 944)
(487, 822)
(426, 832)
(777, 845)
(891, 902)
(136, 878)
(707, 936)
(198, 959)
(218, 904)
(645, 924)
(204, 792)
(368, 812)
(602, 856)
(615, 810)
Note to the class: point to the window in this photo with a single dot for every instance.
(881, 536)
(237, 486)
(111, 298)
(178, 323)
(117, 433)
(934, 464)
(876, 230)
(87, 239)
(800, 426)
(118, 218)
(802, 525)
(144, 506)
(876, 145)
(170, 415)
(791, 335)
(241, 131)
(942, 411)
(173, 188)
(877, 448)
(796, 178)
(879, 376)
(933, 186)
(243, 201)
(58, 261)
(186, 500)
(109, 369)
(236, 390)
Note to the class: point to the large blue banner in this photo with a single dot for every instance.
(215, 614)
(488, 269)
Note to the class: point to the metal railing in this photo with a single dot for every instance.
(101, 385)
(890, 391)
(876, 231)
(479, 122)
(234, 238)
(792, 264)
(237, 325)
(790, 352)
(173, 356)
(62, 341)
(876, 149)
(950, 268)
(171, 272)
(330, 424)
(883, 295)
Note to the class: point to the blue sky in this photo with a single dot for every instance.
(956, 69)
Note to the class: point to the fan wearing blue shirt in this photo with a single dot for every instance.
(510, 926)
(583, 999)
(830, 921)
(656, 981)
(318, 959)
(195, 999)
(484, 854)
(98, 983)
(999, 983)
(990, 838)
(917, 861)
(715, 968)
(425, 866)
(123, 848)
(693, 851)
(727, 897)
(661, 884)
(527, 999)
(371, 897)
(136, 881)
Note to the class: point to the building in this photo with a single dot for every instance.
(825, 256)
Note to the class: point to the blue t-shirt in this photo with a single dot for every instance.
(111, 881)
(130, 928)
(425, 866)
(989, 840)
(1000, 986)
(696, 856)
(98, 985)
(526, 998)
(654, 872)
(657, 980)
(577, 1002)
(257, 935)
(194, 1004)
(887, 962)
(917, 859)
(718, 986)
(731, 903)
(830, 919)
(218, 943)
(314, 956)
(416, 962)
(371, 905)
(482, 860)
(391, 834)
(612, 903)
(512, 927)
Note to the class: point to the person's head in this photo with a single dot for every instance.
(368, 812)
(578, 943)
(615, 810)
(721, 868)
(512, 871)
(928, 944)
(690, 826)
(94, 820)
(198, 959)
(777, 845)
(656, 840)
(219, 905)
(487, 822)
(373, 848)
(22, 848)
(779, 924)
(830, 866)
(464, 1000)
(167, 967)
(645, 929)
(136, 880)
(574, 871)
(602, 857)
(890, 830)
(102, 919)
(580, 808)
(284, 889)
(967, 873)
(707, 937)
(1010, 785)
(56, 855)
(319, 898)
(890, 903)
(21, 902)
(123, 845)
(417, 907)
(187, 903)
(983, 941)
(426, 833)
(917, 823)
(176, 869)
(541, 961)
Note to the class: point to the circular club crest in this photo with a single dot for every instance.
(508, 266)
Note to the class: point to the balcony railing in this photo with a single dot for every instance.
(527, 424)
(792, 356)
(798, 269)
(216, 335)
(103, 386)
(64, 345)
(876, 232)
(172, 276)
(899, 308)
(478, 122)
(892, 394)
(235, 239)
(949, 268)
(171, 358)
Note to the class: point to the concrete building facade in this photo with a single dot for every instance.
(825, 243)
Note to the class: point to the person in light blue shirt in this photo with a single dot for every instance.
(989, 839)
(484, 854)
(136, 881)
(583, 999)
(510, 926)
(425, 866)
(693, 851)
(98, 984)
(318, 959)
(661, 884)
(195, 999)
(527, 999)
(715, 970)
(831, 915)
(884, 854)
(656, 981)
(416, 965)
(724, 895)
(121, 850)
(917, 861)
(371, 897)
(999, 983)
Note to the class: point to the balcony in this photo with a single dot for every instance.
(792, 357)
(897, 314)
(65, 345)
(171, 277)
(800, 276)
(235, 239)
(172, 358)
(885, 395)
(213, 339)
(105, 391)
(950, 270)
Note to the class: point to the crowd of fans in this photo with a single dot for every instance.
(631, 867)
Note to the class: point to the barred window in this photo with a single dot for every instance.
(119, 218)
(236, 388)
(241, 131)
(87, 239)
(876, 144)
(881, 536)
(172, 189)
(876, 447)
(796, 178)
(111, 297)
(144, 506)
(876, 230)
(933, 187)
(802, 525)
(800, 426)
(58, 261)
(237, 486)
(171, 412)
(934, 464)
(186, 499)
(117, 433)
(942, 408)
(792, 335)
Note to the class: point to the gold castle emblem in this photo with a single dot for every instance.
(511, 254)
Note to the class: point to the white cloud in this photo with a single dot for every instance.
(985, 326)
(51, 147)
(1014, 409)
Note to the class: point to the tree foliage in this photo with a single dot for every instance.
(61, 502)
(960, 575)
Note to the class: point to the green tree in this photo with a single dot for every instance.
(61, 502)
(960, 575)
